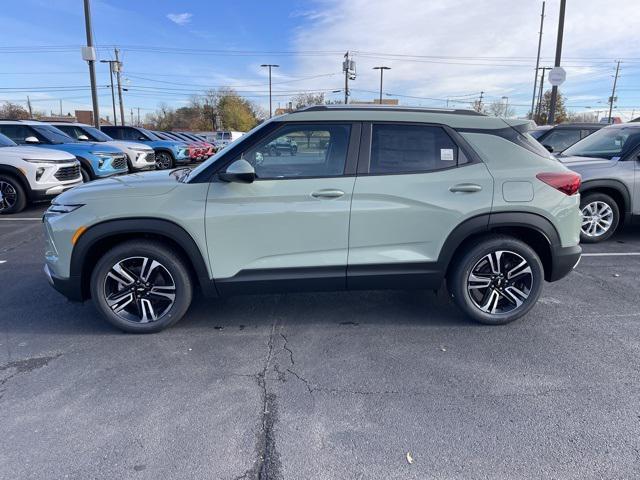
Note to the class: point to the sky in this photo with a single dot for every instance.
(441, 52)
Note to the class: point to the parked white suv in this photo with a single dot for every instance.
(140, 157)
(33, 174)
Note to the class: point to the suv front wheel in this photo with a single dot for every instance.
(141, 287)
(13, 198)
(496, 281)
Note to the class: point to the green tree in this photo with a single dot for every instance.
(542, 113)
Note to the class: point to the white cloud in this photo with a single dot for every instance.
(484, 45)
(180, 18)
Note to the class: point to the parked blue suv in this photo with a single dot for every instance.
(168, 153)
(96, 160)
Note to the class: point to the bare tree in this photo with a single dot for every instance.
(13, 111)
(498, 108)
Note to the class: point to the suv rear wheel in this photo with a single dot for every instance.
(600, 217)
(141, 287)
(497, 281)
(13, 198)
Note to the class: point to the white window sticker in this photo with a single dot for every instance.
(446, 154)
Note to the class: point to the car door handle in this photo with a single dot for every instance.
(465, 188)
(327, 193)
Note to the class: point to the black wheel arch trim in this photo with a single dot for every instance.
(86, 164)
(485, 223)
(588, 186)
(137, 226)
(19, 176)
(165, 150)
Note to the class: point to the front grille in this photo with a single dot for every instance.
(119, 162)
(151, 157)
(68, 173)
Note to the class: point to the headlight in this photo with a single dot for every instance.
(44, 160)
(57, 209)
(103, 154)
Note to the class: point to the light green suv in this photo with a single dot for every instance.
(375, 198)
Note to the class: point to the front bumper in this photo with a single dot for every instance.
(69, 287)
(51, 192)
(143, 161)
(563, 261)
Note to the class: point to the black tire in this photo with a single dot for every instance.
(590, 230)
(86, 176)
(13, 198)
(294, 150)
(273, 151)
(164, 160)
(470, 298)
(170, 276)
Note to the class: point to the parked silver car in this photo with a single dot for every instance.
(609, 162)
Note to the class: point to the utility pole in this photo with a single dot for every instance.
(113, 95)
(118, 68)
(540, 95)
(89, 54)
(138, 124)
(506, 105)
(535, 76)
(349, 69)
(131, 113)
(613, 92)
(60, 107)
(270, 66)
(554, 91)
(382, 69)
(29, 107)
(479, 104)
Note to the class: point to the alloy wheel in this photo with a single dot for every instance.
(139, 289)
(163, 161)
(8, 196)
(597, 218)
(500, 282)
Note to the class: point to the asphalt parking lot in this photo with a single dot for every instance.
(323, 386)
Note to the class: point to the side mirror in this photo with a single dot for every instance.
(84, 138)
(31, 140)
(239, 171)
(548, 147)
(141, 138)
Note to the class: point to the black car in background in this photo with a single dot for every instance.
(562, 136)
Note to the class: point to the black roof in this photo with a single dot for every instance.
(456, 111)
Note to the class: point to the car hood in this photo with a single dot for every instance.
(38, 153)
(591, 162)
(167, 144)
(80, 148)
(133, 185)
(122, 144)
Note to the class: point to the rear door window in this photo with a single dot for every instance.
(399, 148)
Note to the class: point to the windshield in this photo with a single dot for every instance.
(223, 151)
(537, 133)
(53, 135)
(609, 143)
(6, 141)
(96, 134)
(150, 134)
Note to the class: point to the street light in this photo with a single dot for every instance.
(113, 95)
(382, 69)
(270, 66)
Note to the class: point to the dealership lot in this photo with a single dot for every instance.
(327, 385)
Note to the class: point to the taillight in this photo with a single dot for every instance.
(567, 182)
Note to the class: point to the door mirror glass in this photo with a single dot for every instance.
(31, 139)
(83, 138)
(239, 171)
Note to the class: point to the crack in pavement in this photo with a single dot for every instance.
(267, 463)
(26, 365)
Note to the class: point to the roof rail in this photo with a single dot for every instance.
(455, 111)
